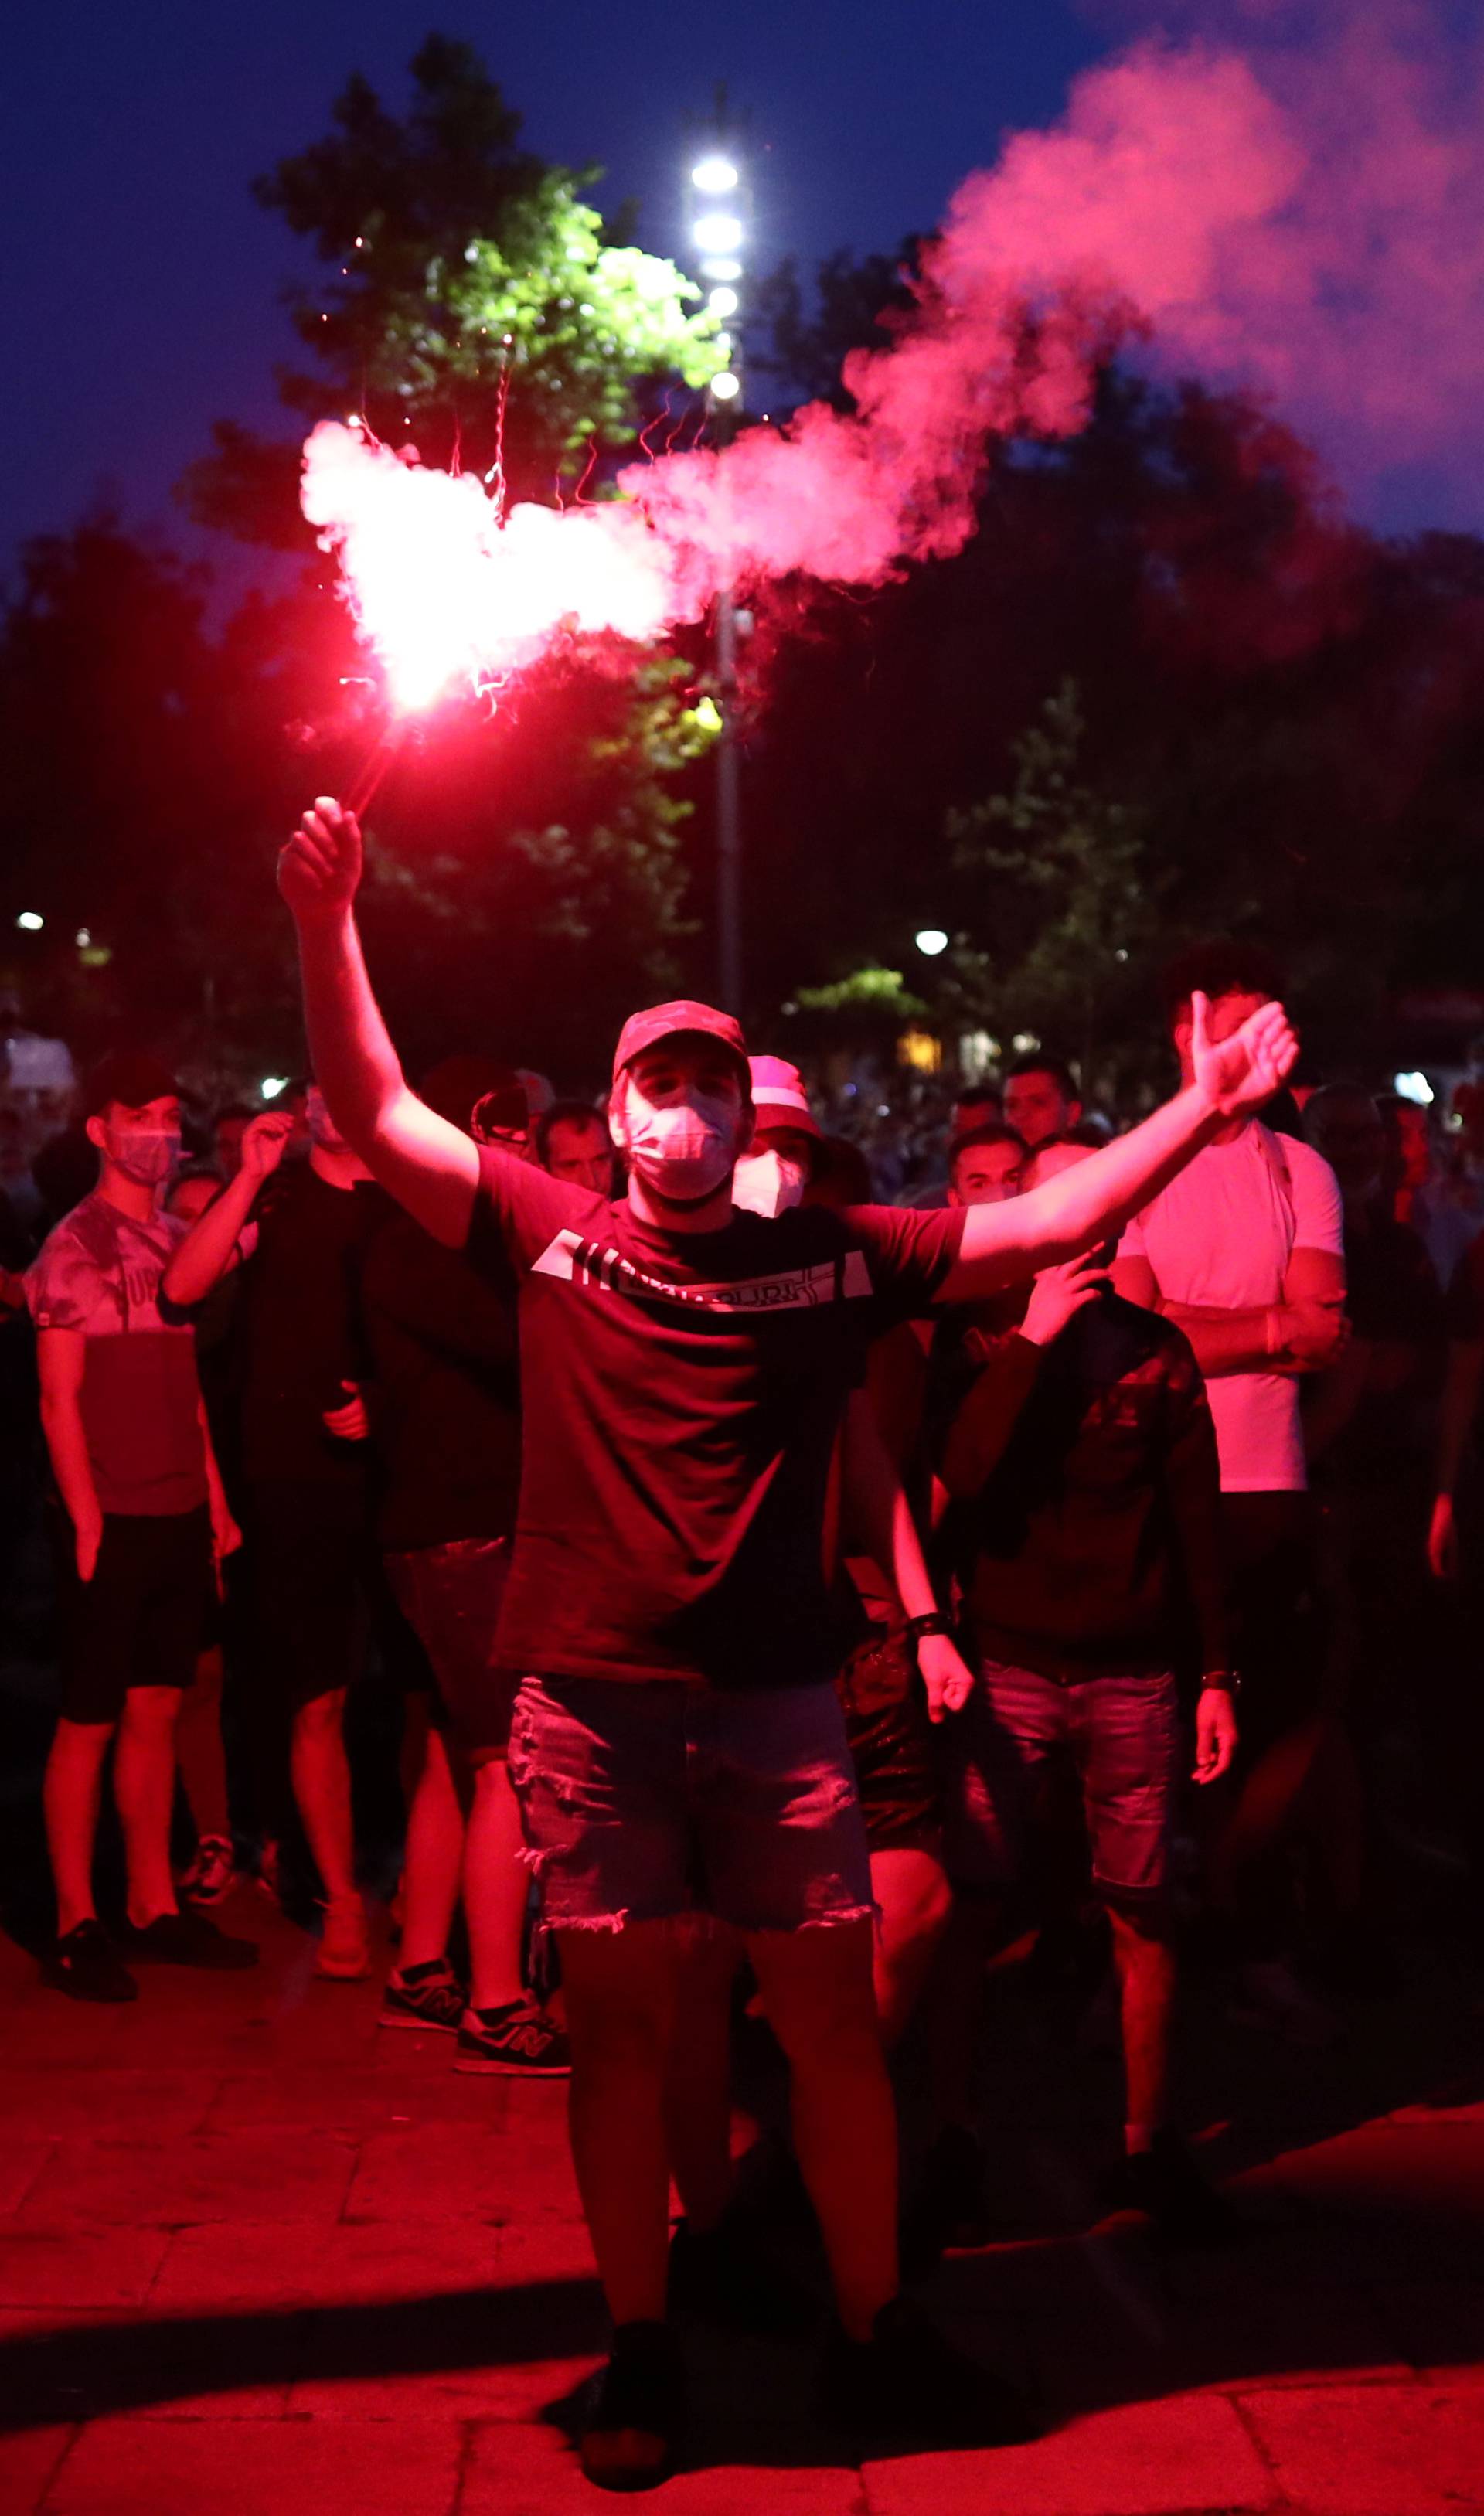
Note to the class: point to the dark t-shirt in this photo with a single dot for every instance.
(300, 1328)
(448, 1394)
(683, 1392)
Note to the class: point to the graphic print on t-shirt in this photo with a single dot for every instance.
(575, 1261)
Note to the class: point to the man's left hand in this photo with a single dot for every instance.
(226, 1536)
(351, 1422)
(1215, 1732)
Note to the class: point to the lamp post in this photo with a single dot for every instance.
(718, 230)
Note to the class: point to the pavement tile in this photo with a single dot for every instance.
(444, 2171)
(256, 2468)
(293, 2097)
(72, 2265)
(28, 2462)
(496, 2352)
(82, 2102)
(1375, 2451)
(1166, 2458)
(171, 2183)
(265, 2263)
(530, 2470)
(87, 2366)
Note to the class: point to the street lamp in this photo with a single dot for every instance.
(719, 233)
(932, 941)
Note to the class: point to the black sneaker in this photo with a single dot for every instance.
(723, 2281)
(630, 2438)
(187, 1939)
(1165, 2184)
(518, 2038)
(85, 1964)
(424, 1996)
(909, 2388)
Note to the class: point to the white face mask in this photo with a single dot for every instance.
(768, 1184)
(144, 1154)
(684, 1150)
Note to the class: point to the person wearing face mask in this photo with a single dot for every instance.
(775, 1171)
(298, 1230)
(677, 1743)
(136, 1477)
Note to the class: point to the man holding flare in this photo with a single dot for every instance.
(686, 1364)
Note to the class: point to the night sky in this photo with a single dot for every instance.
(139, 281)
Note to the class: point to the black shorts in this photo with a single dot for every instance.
(1274, 1620)
(891, 1746)
(140, 1621)
(318, 1588)
(451, 1596)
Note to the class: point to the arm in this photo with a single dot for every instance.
(1306, 1331)
(226, 1536)
(1193, 1496)
(1457, 1418)
(1002, 1244)
(879, 1509)
(431, 1168)
(61, 1354)
(980, 1432)
(212, 1244)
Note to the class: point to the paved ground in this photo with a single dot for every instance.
(258, 2258)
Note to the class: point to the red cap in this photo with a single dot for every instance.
(665, 1022)
(779, 1096)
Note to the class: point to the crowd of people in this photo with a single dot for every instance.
(789, 1597)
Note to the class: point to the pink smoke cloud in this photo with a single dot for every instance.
(1305, 219)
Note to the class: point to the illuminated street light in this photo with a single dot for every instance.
(719, 232)
(723, 269)
(932, 941)
(272, 1085)
(32, 920)
(723, 300)
(726, 387)
(715, 173)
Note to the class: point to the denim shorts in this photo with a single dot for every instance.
(641, 1801)
(1123, 1738)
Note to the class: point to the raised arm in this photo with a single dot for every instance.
(211, 1245)
(1002, 1244)
(430, 1166)
(61, 1354)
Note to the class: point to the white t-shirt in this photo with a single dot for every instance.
(1219, 1238)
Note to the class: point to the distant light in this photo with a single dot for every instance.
(708, 715)
(1025, 1042)
(718, 233)
(723, 269)
(84, 935)
(723, 344)
(724, 301)
(1414, 1087)
(932, 941)
(715, 174)
(726, 387)
(32, 920)
(272, 1085)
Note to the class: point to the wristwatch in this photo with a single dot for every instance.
(916, 1629)
(1227, 1678)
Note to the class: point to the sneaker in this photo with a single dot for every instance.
(947, 2208)
(723, 2281)
(424, 1996)
(345, 1945)
(270, 1880)
(909, 2389)
(187, 1939)
(628, 2440)
(1270, 1995)
(85, 1964)
(1166, 2186)
(211, 1872)
(517, 2037)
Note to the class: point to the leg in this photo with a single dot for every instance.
(496, 1885)
(199, 1747)
(71, 1797)
(697, 2090)
(434, 1858)
(620, 2009)
(819, 1997)
(143, 1786)
(322, 1780)
(1145, 1958)
(910, 1887)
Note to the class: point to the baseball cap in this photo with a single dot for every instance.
(130, 1077)
(645, 1029)
(779, 1096)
